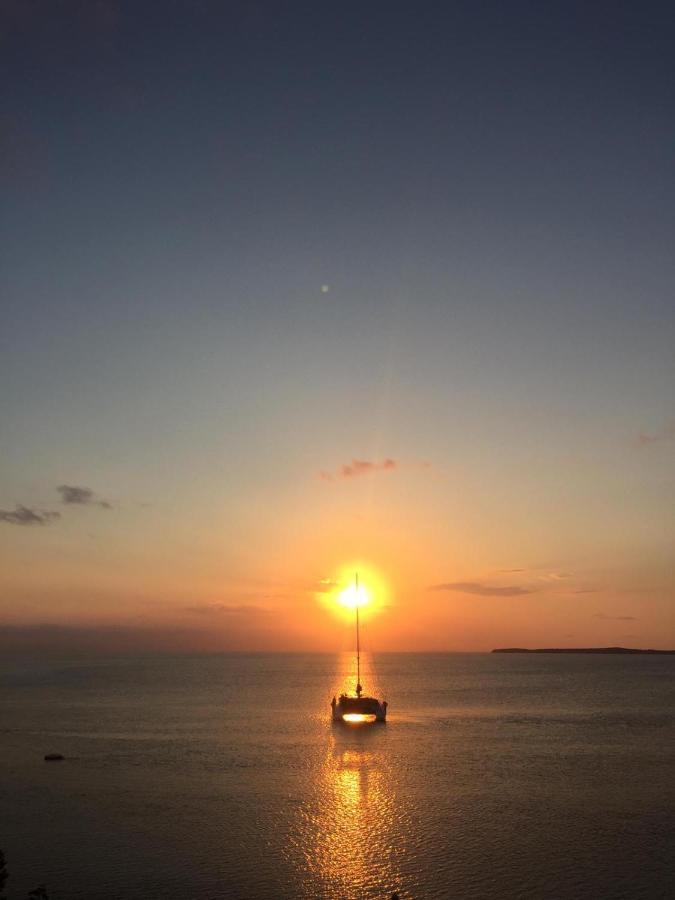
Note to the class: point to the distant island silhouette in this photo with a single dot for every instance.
(580, 650)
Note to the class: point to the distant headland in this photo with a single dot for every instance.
(629, 650)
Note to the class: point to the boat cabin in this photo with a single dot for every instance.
(358, 709)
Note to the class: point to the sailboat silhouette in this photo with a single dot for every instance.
(358, 708)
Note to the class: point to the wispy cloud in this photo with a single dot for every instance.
(325, 585)
(555, 576)
(23, 515)
(225, 609)
(536, 572)
(615, 618)
(358, 467)
(482, 590)
(665, 433)
(75, 495)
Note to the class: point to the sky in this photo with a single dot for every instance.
(293, 289)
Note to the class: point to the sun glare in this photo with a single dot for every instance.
(353, 596)
(341, 596)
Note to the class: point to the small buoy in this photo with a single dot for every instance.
(53, 757)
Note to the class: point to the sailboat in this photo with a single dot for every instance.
(355, 707)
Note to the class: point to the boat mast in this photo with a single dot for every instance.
(358, 647)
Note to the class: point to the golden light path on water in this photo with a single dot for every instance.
(352, 831)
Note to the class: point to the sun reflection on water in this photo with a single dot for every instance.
(353, 830)
(352, 847)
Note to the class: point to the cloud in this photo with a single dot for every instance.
(482, 590)
(665, 433)
(22, 515)
(544, 576)
(615, 618)
(73, 495)
(359, 467)
(223, 609)
(555, 576)
(325, 585)
(87, 641)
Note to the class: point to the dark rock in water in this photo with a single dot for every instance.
(53, 757)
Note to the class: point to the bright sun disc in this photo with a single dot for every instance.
(353, 597)
(339, 594)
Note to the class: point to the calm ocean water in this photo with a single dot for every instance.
(222, 777)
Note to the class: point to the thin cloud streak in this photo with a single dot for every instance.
(325, 585)
(23, 515)
(482, 590)
(76, 495)
(615, 618)
(95, 640)
(359, 467)
(223, 609)
(665, 433)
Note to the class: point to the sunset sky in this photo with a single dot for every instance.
(291, 289)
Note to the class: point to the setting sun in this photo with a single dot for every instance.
(344, 592)
(353, 597)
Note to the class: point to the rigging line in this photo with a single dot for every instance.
(358, 646)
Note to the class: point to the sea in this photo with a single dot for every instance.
(495, 776)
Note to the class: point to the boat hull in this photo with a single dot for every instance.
(354, 710)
